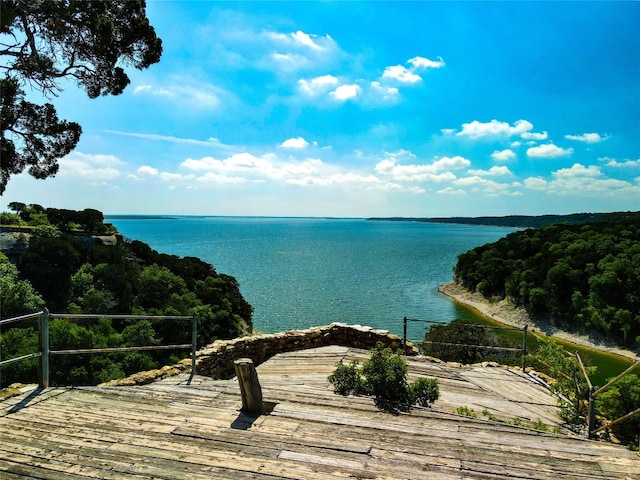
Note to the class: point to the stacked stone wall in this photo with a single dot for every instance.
(216, 360)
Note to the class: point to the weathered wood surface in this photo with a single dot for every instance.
(171, 430)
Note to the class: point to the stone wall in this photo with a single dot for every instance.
(216, 360)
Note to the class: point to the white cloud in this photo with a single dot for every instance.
(503, 155)
(318, 85)
(588, 181)
(315, 42)
(92, 167)
(478, 184)
(300, 40)
(548, 150)
(535, 136)
(402, 74)
(424, 172)
(196, 94)
(210, 142)
(494, 171)
(611, 162)
(147, 171)
(345, 92)
(385, 92)
(587, 137)
(578, 170)
(476, 129)
(421, 62)
(536, 183)
(451, 191)
(296, 143)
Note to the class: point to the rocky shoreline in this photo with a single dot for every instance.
(504, 312)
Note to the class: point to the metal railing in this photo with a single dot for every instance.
(45, 352)
(593, 393)
(522, 349)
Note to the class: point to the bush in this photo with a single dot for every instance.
(346, 379)
(424, 391)
(384, 377)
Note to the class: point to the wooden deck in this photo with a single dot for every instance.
(171, 430)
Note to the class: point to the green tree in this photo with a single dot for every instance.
(17, 296)
(569, 383)
(621, 398)
(465, 342)
(42, 43)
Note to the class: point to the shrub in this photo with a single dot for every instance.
(384, 377)
(424, 391)
(346, 379)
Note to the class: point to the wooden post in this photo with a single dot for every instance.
(250, 388)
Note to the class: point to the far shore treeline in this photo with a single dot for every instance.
(72, 262)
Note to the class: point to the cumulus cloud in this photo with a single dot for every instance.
(438, 171)
(401, 74)
(384, 92)
(422, 62)
(477, 129)
(300, 39)
(296, 143)
(409, 75)
(94, 167)
(494, 171)
(503, 155)
(345, 92)
(451, 191)
(534, 135)
(195, 94)
(490, 188)
(318, 85)
(587, 137)
(548, 150)
(611, 162)
(536, 183)
(147, 171)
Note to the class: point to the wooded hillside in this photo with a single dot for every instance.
(584, 277)
(57, 270)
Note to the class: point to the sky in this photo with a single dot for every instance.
(363, 109)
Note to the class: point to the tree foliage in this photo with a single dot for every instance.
(67, 275)
(583, 277)
(384, 377)
(466, 342)
(44, 42)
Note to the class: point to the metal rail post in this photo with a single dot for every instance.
(524, 349)
(404, 337)
(194, 339)
(43, 334)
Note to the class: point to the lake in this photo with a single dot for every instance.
(303, 272)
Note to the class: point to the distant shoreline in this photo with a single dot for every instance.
(507, 314)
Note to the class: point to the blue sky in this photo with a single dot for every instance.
(358, 109)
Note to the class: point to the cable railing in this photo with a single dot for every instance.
(593, 393)
(522, 349)
(44, 351)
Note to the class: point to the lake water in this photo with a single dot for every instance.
(303, 272)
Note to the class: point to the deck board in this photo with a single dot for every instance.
(174, 430)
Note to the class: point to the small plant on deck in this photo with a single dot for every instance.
(384, 377)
